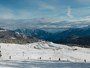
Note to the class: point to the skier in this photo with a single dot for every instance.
(85, 60)
(59, 59)
(0, 54)
(40, 57)
(9, 57)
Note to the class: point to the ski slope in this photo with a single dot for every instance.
(44, 51)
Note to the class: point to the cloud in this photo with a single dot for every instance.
(6, 13)
(44, 5)
(69, 13)
(87, 18)
(24, 14)
(84, 2)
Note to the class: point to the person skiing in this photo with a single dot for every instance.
(85, 60)
(40, 57)
(0, 54)
(59, 59)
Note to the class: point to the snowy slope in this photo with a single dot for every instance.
(44, 51)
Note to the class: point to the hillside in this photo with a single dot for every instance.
(9, 36)
(44, 51)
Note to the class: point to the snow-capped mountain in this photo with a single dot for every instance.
(39, 33)
(7, 36)
(79, 36)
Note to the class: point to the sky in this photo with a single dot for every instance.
(44, 13)
(53, 9)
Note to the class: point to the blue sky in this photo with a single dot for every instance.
(53, 9)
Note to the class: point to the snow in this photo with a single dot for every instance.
(41, 64)
(3, 30)
(43, 51)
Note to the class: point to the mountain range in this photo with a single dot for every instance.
(80, 36)
(71, 36)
